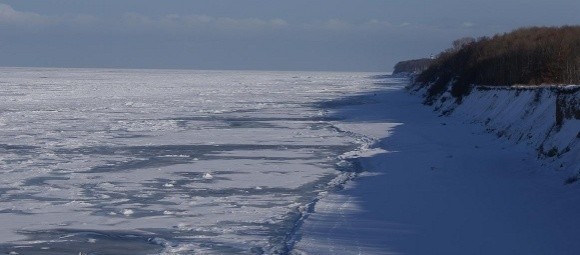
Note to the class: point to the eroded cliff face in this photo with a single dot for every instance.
(567, 106)
(546, 118)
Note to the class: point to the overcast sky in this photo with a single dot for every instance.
(335, 35)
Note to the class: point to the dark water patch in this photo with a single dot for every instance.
(18, 150)
(38, 181)
(75, 242)
(231, 119)
(4, 191)
(34, 197)
(226, 122)
(344, 101)
(189, 150)
(166, 155)
(127, 135)
(253, 124)
(13, 211)
(268, 160)
(17, 147)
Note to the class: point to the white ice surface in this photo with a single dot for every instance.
(210, 161)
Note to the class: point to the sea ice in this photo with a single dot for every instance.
(126, 141)
(207, 176)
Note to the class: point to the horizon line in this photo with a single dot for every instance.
(192, 69)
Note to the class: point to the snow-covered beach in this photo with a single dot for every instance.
(445, 185)
(99, 161)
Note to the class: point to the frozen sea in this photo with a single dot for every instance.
(97, 161)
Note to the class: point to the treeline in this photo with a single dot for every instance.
(412, 66)
(526, 56)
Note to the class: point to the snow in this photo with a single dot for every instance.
(228, 162)
(446, 185)
(207, 176)
(127, 212)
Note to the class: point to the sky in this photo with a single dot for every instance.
(317, 35)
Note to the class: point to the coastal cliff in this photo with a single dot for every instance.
(546, 118)
(524, 99)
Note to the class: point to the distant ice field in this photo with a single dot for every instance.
(96, 161)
